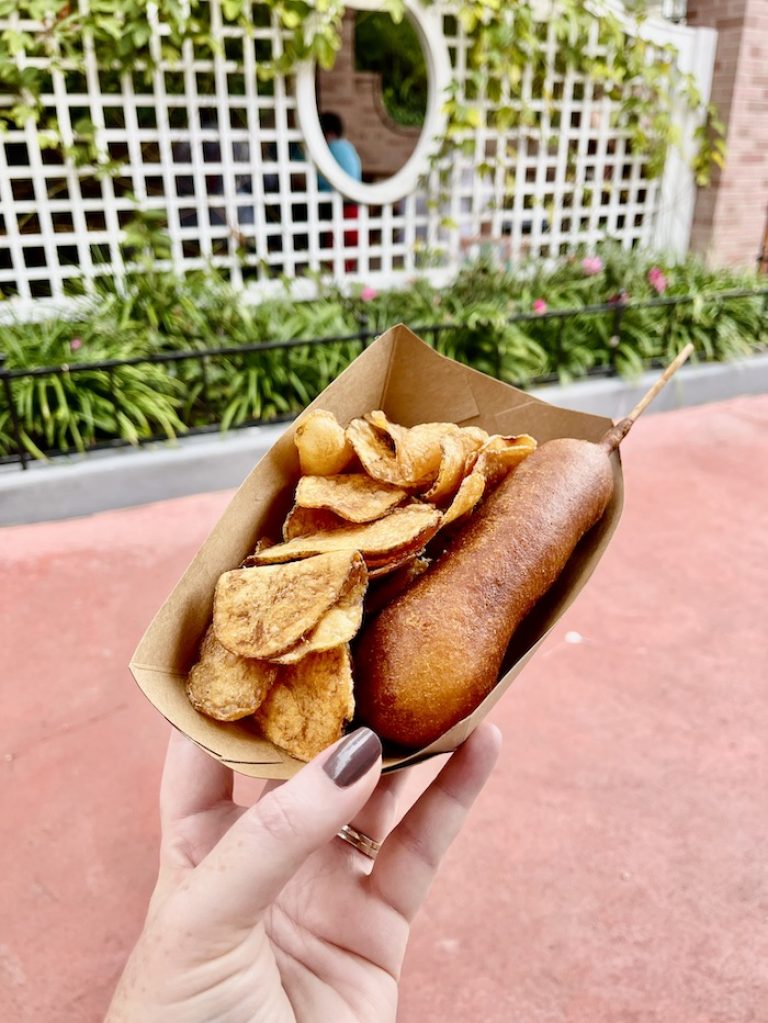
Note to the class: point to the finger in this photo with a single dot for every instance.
(260, 853)
(270, 786)
(192, 781)
(374, 820)
(408, 860)
(379, 813)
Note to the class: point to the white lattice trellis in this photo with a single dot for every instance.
(220, 154)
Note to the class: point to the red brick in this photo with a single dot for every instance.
(730, 216)
(383, 146)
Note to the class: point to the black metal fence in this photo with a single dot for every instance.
(762, 256)
(617, 310)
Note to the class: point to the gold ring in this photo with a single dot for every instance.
(367, 846)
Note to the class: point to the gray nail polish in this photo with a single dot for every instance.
(353, 758)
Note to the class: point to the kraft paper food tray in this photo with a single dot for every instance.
(402, 375)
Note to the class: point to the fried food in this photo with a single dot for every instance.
(227, 687)
(354, 496)
(469, 494)
(419, 452)
(403, 531)
(474, 437)
(322, 444)
(499, 455)
(384, 592)
(264, 611)
(431, 656)
(453, 456)
(408, 458)
(261, 545)
(306, 521)
(293, 607)
(308, 706)
(376, 453)
(338, 625)
(376, 569)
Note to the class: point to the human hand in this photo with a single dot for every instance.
(262, 915)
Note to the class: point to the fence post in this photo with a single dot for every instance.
(696, 49)
(762, 258)
(205, 391)
(12, 410)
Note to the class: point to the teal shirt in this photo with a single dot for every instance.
(345, 155)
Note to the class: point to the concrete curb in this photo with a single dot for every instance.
(81, 485)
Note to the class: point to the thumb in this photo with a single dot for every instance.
(247, 869)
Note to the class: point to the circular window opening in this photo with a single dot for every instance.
(376, 94)
(371, 121)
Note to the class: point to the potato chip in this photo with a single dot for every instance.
(408, 458)
(453, 457)
(227, 687)
(402, 530)
(376, 569)
(380, 420)
(474, 437)
(264, 611)
(303, 521)
(261, 545)
(337, 626)
(307, 708)
(340, 624)
(499, 455)
(422, 451)
(354, 496)
(375, 452)
(469, 493)
(417, 450)
(322, 444)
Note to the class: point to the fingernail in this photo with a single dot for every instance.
(353, 758)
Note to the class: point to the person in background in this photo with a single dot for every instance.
(347, 157)
(342, 150)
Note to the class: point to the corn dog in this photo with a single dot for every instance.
(433, 654)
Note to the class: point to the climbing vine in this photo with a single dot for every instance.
(510, 52)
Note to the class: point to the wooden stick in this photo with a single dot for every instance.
(617, 433)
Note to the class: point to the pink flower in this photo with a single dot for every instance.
(368, 294)
(592, 265)
(540, 306)
(657, 280)
(75, 343)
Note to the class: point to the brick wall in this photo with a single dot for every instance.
(730, 216)
(356, 96)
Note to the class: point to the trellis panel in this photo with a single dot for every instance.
(218, 152)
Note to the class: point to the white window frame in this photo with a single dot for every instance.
(430, 35)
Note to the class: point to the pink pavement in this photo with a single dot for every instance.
(615, 868)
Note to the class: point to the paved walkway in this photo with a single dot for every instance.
(616, 869)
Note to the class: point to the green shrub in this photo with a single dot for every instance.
(75, 410)
(159, 313)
